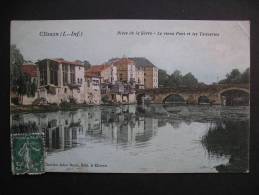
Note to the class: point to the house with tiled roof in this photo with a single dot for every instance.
(62, 81)
(126, 70)
(30, 70)
(146, 73)
(107, 72)
(150, 72)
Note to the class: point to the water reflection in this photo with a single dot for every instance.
(221, 132)
(65, 130)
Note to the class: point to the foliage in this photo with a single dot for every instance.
(72, 100)
(162, 77)
(20, 83)
(235, 76)
(16, 60)
(229, 138)
(176, 79)
(86, 64)
(105, 99)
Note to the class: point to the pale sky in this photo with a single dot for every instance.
(209, 58)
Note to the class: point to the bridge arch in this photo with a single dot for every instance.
(234, 96)
(203, 99)
(235, 88)
(174, 98)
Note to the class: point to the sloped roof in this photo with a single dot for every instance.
(96, 70)
(29, 69)
(62, 61)
(138, 61)
(142, 61)
(120, 61)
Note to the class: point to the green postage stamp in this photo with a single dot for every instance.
(28, 153)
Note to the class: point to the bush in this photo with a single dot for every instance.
(105, 100)
(15, 100)
(72, 100)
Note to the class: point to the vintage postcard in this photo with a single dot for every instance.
(130, 96)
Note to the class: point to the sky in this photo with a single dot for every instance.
(209, 58)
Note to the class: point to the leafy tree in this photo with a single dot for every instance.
(175, 79)
(86, 64)
(236, 77)
(20, 83)
(245, 77)
(162, 78)
(16, 61)
(189, 80)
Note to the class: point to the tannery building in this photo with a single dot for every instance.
(64, 81)
(150, 72)
(58, 80)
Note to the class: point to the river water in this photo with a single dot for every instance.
(149, 138)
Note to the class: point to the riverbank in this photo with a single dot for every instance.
(54, 107)
(43, 108)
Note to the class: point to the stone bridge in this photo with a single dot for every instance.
(192, 95)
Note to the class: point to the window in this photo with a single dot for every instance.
(53, 74)
(72, 74)
(65, 74)
(43, 74)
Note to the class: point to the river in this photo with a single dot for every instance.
(149, 138)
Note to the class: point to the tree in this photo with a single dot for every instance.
(86, 64)
(245, 77)
(16, 61)
(162, 78)
(20, 83)
(236, 77)
(189, 80)
(175, 79)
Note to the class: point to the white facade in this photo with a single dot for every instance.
(63, 81)
(131, 72)
(114, 77)
(92, 90)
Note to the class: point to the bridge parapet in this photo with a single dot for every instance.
(191, 95)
